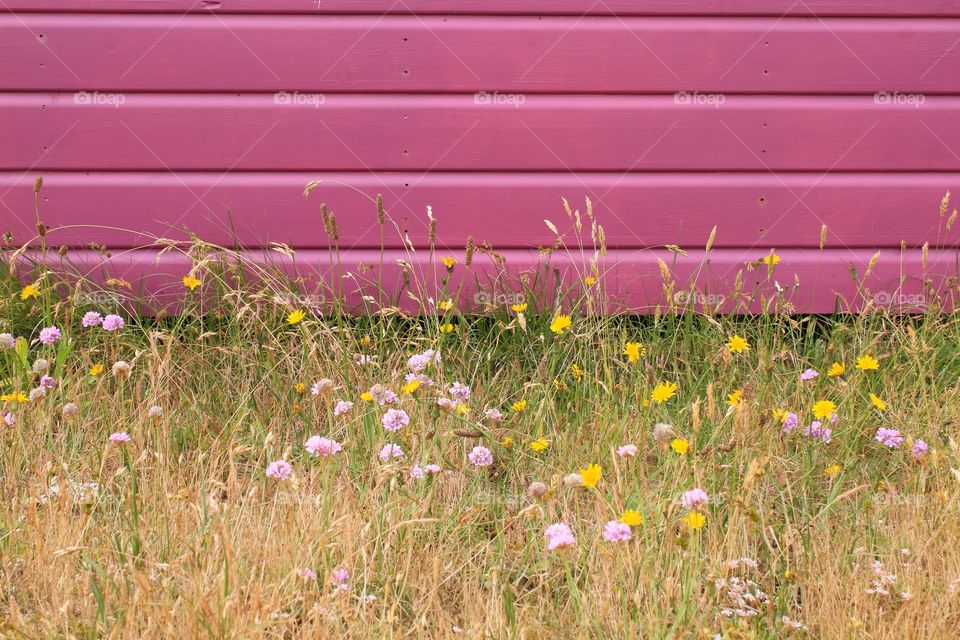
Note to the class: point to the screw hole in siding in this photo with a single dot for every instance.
(406, 72)
(762, 200)
(766, 72)
(41, 37)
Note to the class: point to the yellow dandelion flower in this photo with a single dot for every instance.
(735, 398)
(591, 475)
(507, 442)
(366, 396)
(634, 351)
(411, 386)
(446, 328)
(295, 317)
(589, 281)
(780, 415)
(680, 446)
(737, 344)
(867, 363)
(520, 406)
(836, 369)
(560, 324)
(463, 409)
(17, 397)
(878, 403)
(695, 520)
(448, 261)
(833, 470)
(823, 409)
(663, 392)
(771, 259)
(191, 282)
(445, 305)
(29, 291)
(300, 387)
(576, 372)
(560, 385)
(97, 369)
(631, 518)
(519, 308)
(540, 445)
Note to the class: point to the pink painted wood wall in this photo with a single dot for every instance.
(765, 118)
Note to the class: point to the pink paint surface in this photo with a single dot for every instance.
(766, 119)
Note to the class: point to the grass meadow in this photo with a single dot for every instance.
(246, 466)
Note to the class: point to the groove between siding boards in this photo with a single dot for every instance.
(125, 209)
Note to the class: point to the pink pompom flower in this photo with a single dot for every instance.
(113, 322)
(480, 457)
(324, 447)
(889, 437)
(279, 470)
(395, 419)
(91, 319)
(559, 535)
(120, 437)
(616, 531)
(50, 335)
(694, 499)
(627, 451)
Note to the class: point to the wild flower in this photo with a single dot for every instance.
(867, 363)
(631, 518)
(70, 410)
(694, 499)
(627, 451)
(155, 412)
(7, 341)
(339, 578)
(519, 307)
(121, 369)
(120, 437)
(417, 363)
(48, 382)
(365, 360)
(519, 406)
(113, 322)
(790, 422)
(389, 451)
(559, 536)
(889, 437)
(663, 392)
(616, 532)
(877, 402)
(591, 475)
(308, 574)
(817, 431)
(663, 432)
(342, 407)
(836, 369)
(737, 344)
(50, 335)
(9, 419)
(919, 449)
(296, 317)
(634, 351)
(323, 385)
(432, 469)
(96, 370)
(91, 319)
(416, 472)
(480, 456)
(809, 374)
(573, 480)
(395, 419)
(40, 366)
(38, 394)
(694, 520)
(735, 398)
(279, 470)
(492, 415)
(190, 282)
(824, 409)
(446, 405)
(382, 395)
(322, 447)
(560, 324)
(459, 392)
(540, 444)
(29, 291)
(680, 446)
(537, 490)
